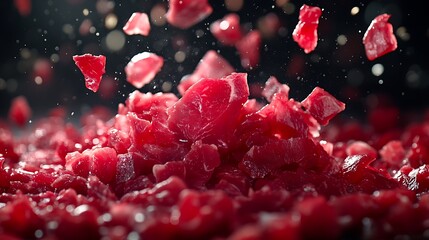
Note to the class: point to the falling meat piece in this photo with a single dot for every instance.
(20, 111)
(23, 6)
(379, 38)
(248, 48)
(92, 68)
(212, 65)
(137, 24)
(186, 13)
(227, 30)
(322, 105)
(142, 68)
(305, 32)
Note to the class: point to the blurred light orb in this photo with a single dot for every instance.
(377, 69)
(115, 40)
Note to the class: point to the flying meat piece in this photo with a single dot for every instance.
(379, 38)
(322, 105)
(92, 68)
(20, 111)
(23, 6)
(248, 48)
(305, 33)
(137, 24)
(227, 30)
(212, 65)
(142, 68)
(186, 13)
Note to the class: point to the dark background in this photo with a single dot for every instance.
(51, 32)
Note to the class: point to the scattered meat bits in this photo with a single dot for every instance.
(186, 13)
(305, 32)
(212, 65)
(92, 68)
(137, 24)
(227, 30)
(379, 39)
(142, 68)
(20, 111)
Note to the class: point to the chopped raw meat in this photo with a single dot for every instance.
(92, 68)
(137, 24)
(249, 49)
(379, 38)
(214, 107)
(322, 105)
(186, 13)
(227, 30)
(142, 68)
(305, 32)
(20, 111)
(212, 65)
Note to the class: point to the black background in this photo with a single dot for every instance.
(405, 79)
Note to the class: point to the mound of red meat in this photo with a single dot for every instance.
(214, 165)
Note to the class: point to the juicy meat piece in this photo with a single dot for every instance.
(212, 65)
(249, 49)
(379, 38)
(142, 68)
(227, 30)
(212, 106)
(20, 111)
(186, 13)
(137, 24)
(92, 68)
(305, 32)
(322, 105)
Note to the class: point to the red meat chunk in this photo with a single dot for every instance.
(393, 153)
(212, 65)
(305, 32)
(20, 111)
(186, 13)
(214, 107)
(227, 30)
(92, 68)
(142, 68)
(249, 49)
(137, 24)
(322, 105)
(379, 39)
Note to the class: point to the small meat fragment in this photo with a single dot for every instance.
(379, 38)
(322, 105)
(272, 87)
(20, 111)
(212, 65)
(248, 48)
(23, 7)
(92, 68)
(227, 30)
(137, 24)
(186, 13)
(305, 33)
(142, 68)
